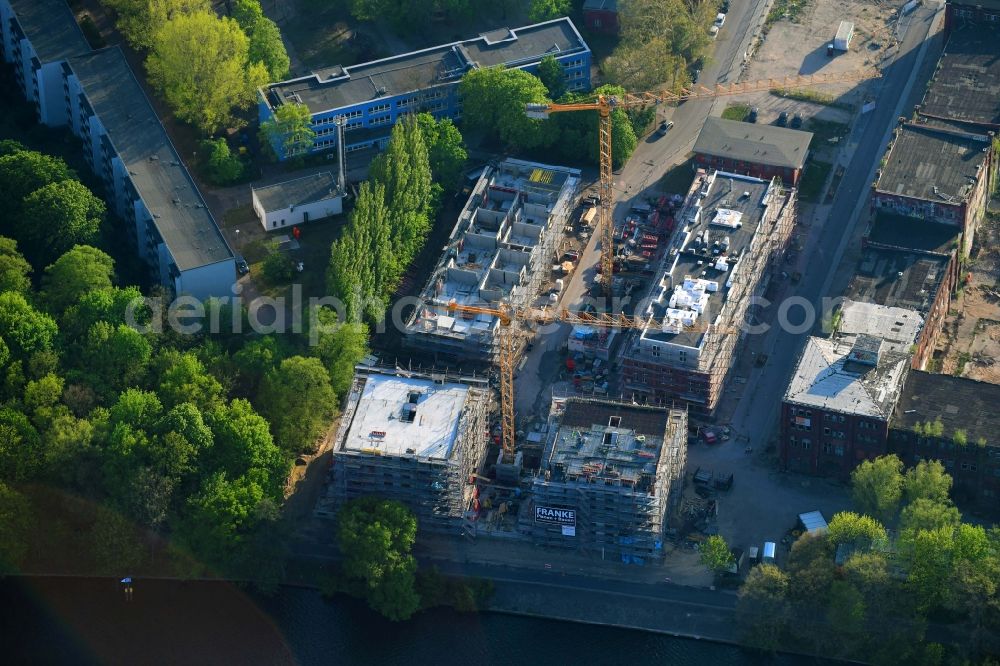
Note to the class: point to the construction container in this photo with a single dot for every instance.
(845, 33)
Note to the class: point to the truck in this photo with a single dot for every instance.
(845, 33)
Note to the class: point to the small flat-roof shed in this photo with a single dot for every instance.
(298, 201)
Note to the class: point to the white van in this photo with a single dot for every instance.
(769, 549)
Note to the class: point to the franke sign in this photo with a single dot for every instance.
(545, 514)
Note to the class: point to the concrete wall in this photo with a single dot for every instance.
(205, 281)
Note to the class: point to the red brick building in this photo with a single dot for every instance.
(601, 16)
(954, 420)
(964, 12)
(836, 410)
(761, 151)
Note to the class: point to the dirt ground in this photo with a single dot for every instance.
(970, 344)
(797, 46)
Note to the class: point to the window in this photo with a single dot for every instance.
(376, 122)
(596, 23)
(806, 442)
(406, 101)
(838, 450)
(379, 108)
(840, 418)
(656, 350)
(828, 449)
(352, 114)
(826, 431)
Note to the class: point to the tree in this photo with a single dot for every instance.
(762, 609)
(244, 447)
(220, 165)
(58, 216)
(445, 151)
(25, 331)
(493, 101)
(579, 131)
(926, 514)
(715, 554)
(928, 480)
(341, 350)
(862, 532)
(289, 131)
(115, 544)
(41, 400)
(363, 262)
(405, 172)
(297, 399)
(278, 268)
(810, 569)
(552, 76)
(14, 268)
(110, 304)
(10, 146)
(546, 10)
(15, 523)
(21, 173)
(376, 538)
(246, 13)
(846, 614)
(183, 378)
(140, 21)
(20, 446)
(254, 360)
(219, 518)
(80, 270)
(117, 355)
(266, 48)
(877, 485)
(200, 64)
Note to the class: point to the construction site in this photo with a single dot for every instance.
(501, 250)
(414, 438)
(612, 474)
(733, 231)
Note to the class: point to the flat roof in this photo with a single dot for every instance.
(750, 142)
(966, 84)
(298, 192)
(388, 422)
(960, 404)
(179, 211)
(612, 443)
(897, 327)
(813, 521)
(336, 87)
(825, 377)
(911, 233)
(51, 28)
(933, 163)
(734, 200)
(898, 278)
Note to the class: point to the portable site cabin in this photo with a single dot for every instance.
(769, 552)
(845, 33)
(812, 522)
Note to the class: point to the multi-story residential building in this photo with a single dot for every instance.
(611, 476)
(761, 151)
(954, 420)
(939, 171)
(734, 229)
(912, 264)
(500, 250)
(836, 410)
(417, 439)
(371, 96)
(148, 185)
(37, 37)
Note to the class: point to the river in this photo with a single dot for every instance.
(72, 621)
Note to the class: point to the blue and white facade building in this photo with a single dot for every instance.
(36, 38)
(372, 96)
(96, 95)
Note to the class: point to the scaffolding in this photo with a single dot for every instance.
(435, 483)
(619, 467)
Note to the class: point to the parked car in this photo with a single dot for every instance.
(796, 122)
(752, 116)
(242, 267)
(713, 31)
(665, 127)
(782, 119)
(720, 20)
(725, 7)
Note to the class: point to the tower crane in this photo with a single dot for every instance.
(605, 104)
(508, 346)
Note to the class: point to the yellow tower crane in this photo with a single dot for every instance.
(605, 104)
(508, 347)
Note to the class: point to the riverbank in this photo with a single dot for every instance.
(88, 621)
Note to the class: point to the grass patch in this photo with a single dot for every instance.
(678, 179)
(785, 9)
(813, 96)
(825, 131)
(736, 112)
(813, 177)
(963, 358)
